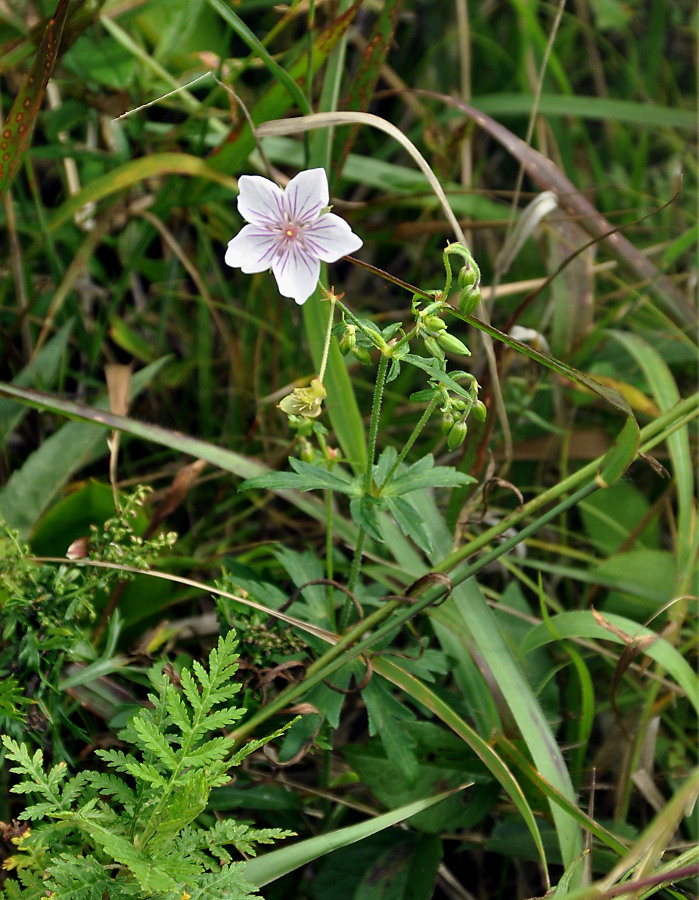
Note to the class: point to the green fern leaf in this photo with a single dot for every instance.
(78, 878)
(124, 762)
(149, 737)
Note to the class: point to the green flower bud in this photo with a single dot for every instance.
(434, 323)
(457, 435)
(459, 404)
(452, 344)
(362, 354)
(467, 277)
(479, 410)
(348, 341)
(469, 300)
(306, 451)
(447, 423)
(433, 348)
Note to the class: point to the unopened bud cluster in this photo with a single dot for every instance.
(347, 342)
(469, 280)
(456, 411)
(435, 335)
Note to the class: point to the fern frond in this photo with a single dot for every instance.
(149, 737)
(80, 878)
(243, 837)
(112, 786)
(228, 883)
(40, 782)
(125, 762)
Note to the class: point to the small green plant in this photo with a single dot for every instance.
(46, 613)
(133, 831)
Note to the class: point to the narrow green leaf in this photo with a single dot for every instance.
(242, 466)
(664, 389)
(19, 125)
(582, 624)
(32, 488)
(621, 454)
(424, 695)
(278, 73)
(267, 868)
(41, 372)
(646, 114)
(134, 172)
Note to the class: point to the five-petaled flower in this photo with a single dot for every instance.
(290, 231)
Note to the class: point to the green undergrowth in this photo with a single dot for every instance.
(447, 507)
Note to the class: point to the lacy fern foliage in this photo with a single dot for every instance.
(133, 831)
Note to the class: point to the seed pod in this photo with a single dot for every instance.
(457, 435)
(434, 323)
(452, 344)
(348, 341)
(479, 410)
(469, 300)
(362, 354)
(467, 276)
(447, 423)
(433, 348)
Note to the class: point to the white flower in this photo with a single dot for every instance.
(289, 231)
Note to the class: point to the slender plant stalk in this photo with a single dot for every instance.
(371, 452)
(424, 419)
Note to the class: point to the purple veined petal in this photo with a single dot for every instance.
(330, 238)
(260, 201)
(252, 249)
(297, 274)
(306, 194)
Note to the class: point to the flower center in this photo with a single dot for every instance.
(291, 233)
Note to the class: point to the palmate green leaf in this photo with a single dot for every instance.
(409, 521)
(364, 511)
(387, 717)
(424, 474)
(306, 477)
